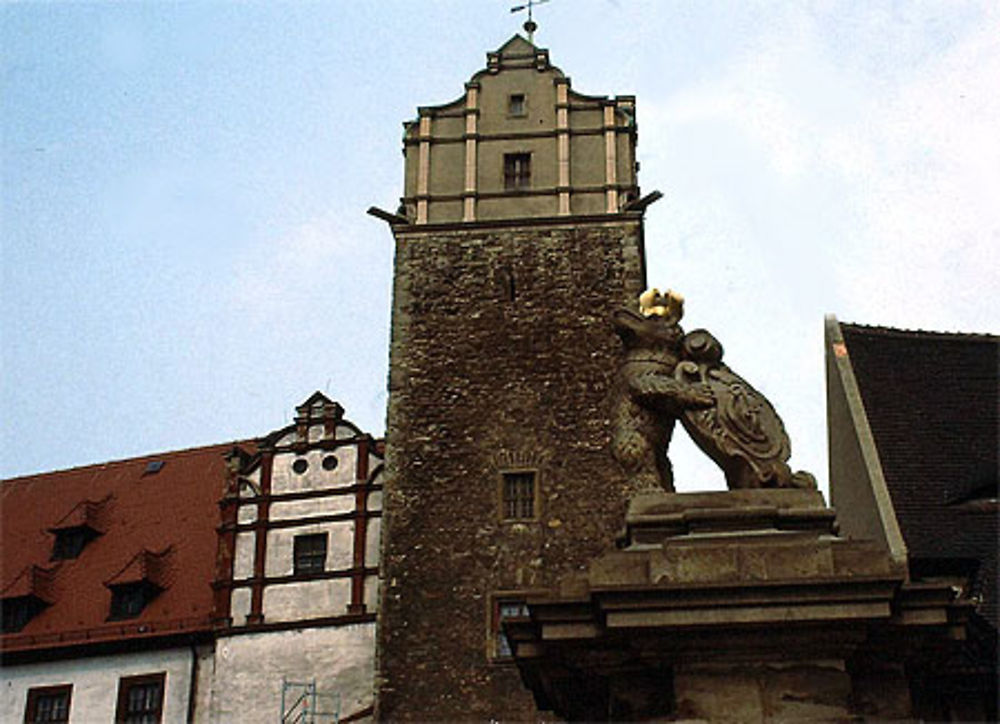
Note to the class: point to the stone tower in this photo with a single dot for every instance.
(519, 233)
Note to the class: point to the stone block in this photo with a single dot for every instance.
(693, 564)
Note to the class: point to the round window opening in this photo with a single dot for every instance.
(329, 462)
(300, 465)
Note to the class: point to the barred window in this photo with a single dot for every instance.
(518, 496)
(48, 704)
(310, 553)
(516, 170)
(140, 699)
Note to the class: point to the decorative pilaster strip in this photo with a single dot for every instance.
(562, 142)
(471, 163)
(260, 540)
(226, 543)
(423, 168)
(610, 160)
(357, 604)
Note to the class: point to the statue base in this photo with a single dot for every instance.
(732, 606)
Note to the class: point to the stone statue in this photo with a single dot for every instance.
(650, 397)
(668, 376)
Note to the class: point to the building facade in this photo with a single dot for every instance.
(297, 572)
(235, 582)
(520, 234)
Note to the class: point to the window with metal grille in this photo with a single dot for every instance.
(518, 496)
(140, 699)
(516, 170)
(48, 704)
(310, 553)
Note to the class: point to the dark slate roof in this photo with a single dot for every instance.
(154, 523)
(932, 403)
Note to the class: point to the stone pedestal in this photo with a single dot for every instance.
(739, 606)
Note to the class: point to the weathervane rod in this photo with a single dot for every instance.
(530, 25)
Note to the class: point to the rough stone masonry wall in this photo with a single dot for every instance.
(502, 357)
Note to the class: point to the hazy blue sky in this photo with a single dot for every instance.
(186, 255)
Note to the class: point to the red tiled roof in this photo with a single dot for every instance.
(140, 515)
(89, 514)
(932, 400)
(145, 566)
(32, 581)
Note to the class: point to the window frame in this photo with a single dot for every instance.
(517, 105)
(121, 595)
(517, 171)
(127, 683)
(502, 497)
(39, 692)
(299, 569)
(17, 612)
(70, 542)
(494, 630)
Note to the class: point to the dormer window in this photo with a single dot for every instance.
(139, 582)
(26, 596)
(516, 105)
(70, 542)
(85, 522)
(129, 600)
(18, 611)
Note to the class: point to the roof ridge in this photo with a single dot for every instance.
(123, 461)
(981, 336)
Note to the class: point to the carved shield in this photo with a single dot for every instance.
(741, 432)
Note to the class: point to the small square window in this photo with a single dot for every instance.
(516, 170)
(517, 496)
(310, 553)
(48, 704)
(516, 105)
(140, 699)
(504, 608)
(128, 600)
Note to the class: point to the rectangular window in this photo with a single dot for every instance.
(70, 542)
(48, 704)
(517, 499)
(129, 599)
(18, 611)
(516, 105)
(310, 553)
(140, 699)
(504, 608)
(516, 170)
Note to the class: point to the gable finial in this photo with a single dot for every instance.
(530, 25)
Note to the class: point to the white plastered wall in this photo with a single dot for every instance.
(250, 668)
(95, 683)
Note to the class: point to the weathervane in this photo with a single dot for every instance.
(529, 25)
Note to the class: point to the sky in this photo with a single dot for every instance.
(186, 254)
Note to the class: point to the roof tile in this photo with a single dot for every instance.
(932, 400)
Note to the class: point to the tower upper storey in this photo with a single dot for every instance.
(520, 143)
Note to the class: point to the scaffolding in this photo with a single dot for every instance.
(303, 703)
